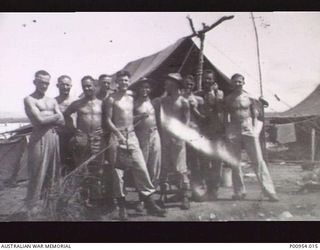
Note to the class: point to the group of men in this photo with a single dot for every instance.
(127, 132)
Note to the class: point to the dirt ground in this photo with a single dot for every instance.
(294, 205)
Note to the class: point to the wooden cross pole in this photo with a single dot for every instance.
(201, 35)
(261, 99)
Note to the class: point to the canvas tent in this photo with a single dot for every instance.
(306, 117)
(182, 56)
(309, 107)
(13, 156)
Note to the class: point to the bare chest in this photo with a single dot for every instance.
(64, 105)
(125, 104)
(171, 105)
(45, 104)
(240, 102)
(145, 107)
(194, 100)
(91, 108)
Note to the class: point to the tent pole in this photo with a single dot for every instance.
(200, 63)
(313, 144)
(263, 137)
(201, 35)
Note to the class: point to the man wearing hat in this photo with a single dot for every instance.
(174, 113)
(147, 131)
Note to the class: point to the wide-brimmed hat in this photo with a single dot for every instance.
(145, 79)
(175, 76)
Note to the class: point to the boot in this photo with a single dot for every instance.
(123, 214)
(239, 196)
(153, 208)
(212, 195)
(212, 192)
(185, 203)
(163, 194)
(139, 207)
(273, 197)
(122, 209)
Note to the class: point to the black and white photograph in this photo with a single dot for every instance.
(159, 116)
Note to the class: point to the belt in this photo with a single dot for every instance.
(53, 130)
(127, 130)
(149, 130)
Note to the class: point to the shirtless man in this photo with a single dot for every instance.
(65, 134)
(194, 156)
(147, 132)
(103, 92)
(43, 148)
(213, 129)
(241, 131)
(126, 152)
(89, 137)
(174, 107)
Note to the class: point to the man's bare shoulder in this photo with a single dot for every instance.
(29, 101)
(131, 93)
(184, 101)
(98, 101)
(77, 103)
(156, 101)
(112, 97)
(199, 99)
(164, 99)
(220, 93)
(28, 98)
(49, 99)
(199, 93)
(247, 95)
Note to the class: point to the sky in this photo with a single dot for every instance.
(79, 44)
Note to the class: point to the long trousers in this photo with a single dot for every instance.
(129, 156)
(67, 163)
(211, 167)
(212, 171)
(194, 163)
(84, 146)
(174, 162)
(43, 168)
(151, 149)
(252, 146)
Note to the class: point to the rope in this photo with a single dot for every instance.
(253, 78)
